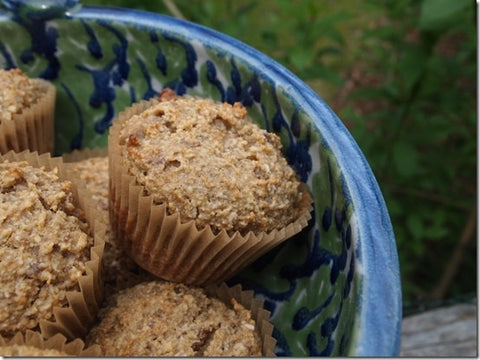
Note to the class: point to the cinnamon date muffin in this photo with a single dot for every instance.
(50, 249)
(30, 351)
(27, 107)
(160, 318)
(227, 192)
(119, 271)
(94, 172)
(32, 344)
(211, 164)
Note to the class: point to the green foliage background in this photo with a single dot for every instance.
(402, 76)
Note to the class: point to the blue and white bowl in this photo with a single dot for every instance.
(334, 289)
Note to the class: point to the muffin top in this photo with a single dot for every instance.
(160, 318)
(44, 245)
(28, 350)
(18, 92)
(210, 163)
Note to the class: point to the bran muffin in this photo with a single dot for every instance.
(208, 172)
(27, 350)
(27, 107)
(32, 344)
(119, 271)
(173, 319)
(94, 172)
(50, 249)
(211, 164)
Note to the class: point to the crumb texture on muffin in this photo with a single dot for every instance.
(44, 245)
(209, 162)
(171, 319)
(17, 92)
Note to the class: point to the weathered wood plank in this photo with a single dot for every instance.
(449, 331)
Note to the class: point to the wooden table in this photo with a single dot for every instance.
(448, 331)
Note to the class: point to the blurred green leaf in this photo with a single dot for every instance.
(325, 73)
(415, 226)
(329, 50)
(405, 158)
(439, 14)
(412, 66)
(301, 57)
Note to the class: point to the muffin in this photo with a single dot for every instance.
(91, 166)
(50, 249)
(32, 344)
(174, 319)
(27, 108)
(31, 351)
(198, 191)
(119, 271)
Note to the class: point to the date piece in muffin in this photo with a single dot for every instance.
(44, 245)
(166, 319)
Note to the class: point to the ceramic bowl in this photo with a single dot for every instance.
(334, 289)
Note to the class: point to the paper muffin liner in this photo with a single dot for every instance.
(75, 319)
(174, 250)
(124, 272)
(57, 342)
(84, 154)
(260, 315)
(33, 129)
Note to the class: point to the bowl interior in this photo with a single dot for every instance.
(101, 60)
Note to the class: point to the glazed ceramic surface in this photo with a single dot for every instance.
(332, 290)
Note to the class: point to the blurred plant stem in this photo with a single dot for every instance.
(453, 265)
(172, 7)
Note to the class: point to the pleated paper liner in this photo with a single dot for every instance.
(58, 342)
(84, 154)
(33, 129)
(175, 250)
(119, 270)
(256, 306)
(75, 319)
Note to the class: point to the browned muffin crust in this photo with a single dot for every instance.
(170, 319)
(209, 162)
(44, 245)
